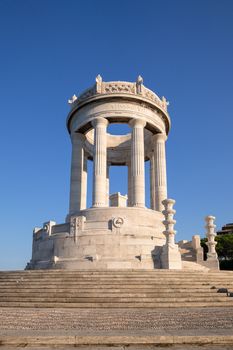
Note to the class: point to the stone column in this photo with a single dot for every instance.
(152, 181)
(160, 170)
(100, 162)
(78, 178)
(129, 185)
(137, 162)
(107, 185)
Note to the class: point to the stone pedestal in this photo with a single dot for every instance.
(118, 200)
(196, 244)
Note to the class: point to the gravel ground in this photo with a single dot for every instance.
(116, 319)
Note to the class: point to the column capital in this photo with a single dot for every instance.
(137, 122)
(99, 121)
(160, 137)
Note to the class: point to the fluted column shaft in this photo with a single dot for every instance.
(137, 163)
(129, 185)
(160, 170)
(152, 181)
(100, 162)
(78, 178)
(107, 185)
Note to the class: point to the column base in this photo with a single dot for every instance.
(138, 205)
(102, 205)
(212, 261)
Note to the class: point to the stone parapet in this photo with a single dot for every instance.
(119, 87)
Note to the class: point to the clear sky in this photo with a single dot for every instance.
(51, 49)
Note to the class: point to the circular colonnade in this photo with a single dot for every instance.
(111, 234)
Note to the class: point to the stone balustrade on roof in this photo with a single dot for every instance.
(119, 87)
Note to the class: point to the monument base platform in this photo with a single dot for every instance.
(102, 239)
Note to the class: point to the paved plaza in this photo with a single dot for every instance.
(124, 328)
(116, 320)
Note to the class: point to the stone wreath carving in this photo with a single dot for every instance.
(118, 222)
(46, 228)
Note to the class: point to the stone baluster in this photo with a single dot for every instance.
(169, 221)
(211, 234)
(160, 170)
(78, 178)
(100, 162)
(137, 163)
(170, 257)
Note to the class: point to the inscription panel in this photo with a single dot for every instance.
(125, 110)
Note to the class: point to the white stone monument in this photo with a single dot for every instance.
(117, 232)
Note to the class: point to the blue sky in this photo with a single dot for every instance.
(53, 49)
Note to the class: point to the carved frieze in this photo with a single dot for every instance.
(119, 87)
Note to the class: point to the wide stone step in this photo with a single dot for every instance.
(83, 294)
(180, 287)
(116, 282)
(155, 274)
(113, 280)
(115, 273)
(105, 296)
(120, 284)
(117, 305)
(206, 291)
(101, 299)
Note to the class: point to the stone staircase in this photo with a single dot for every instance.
(115, 289)
(186, 250)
